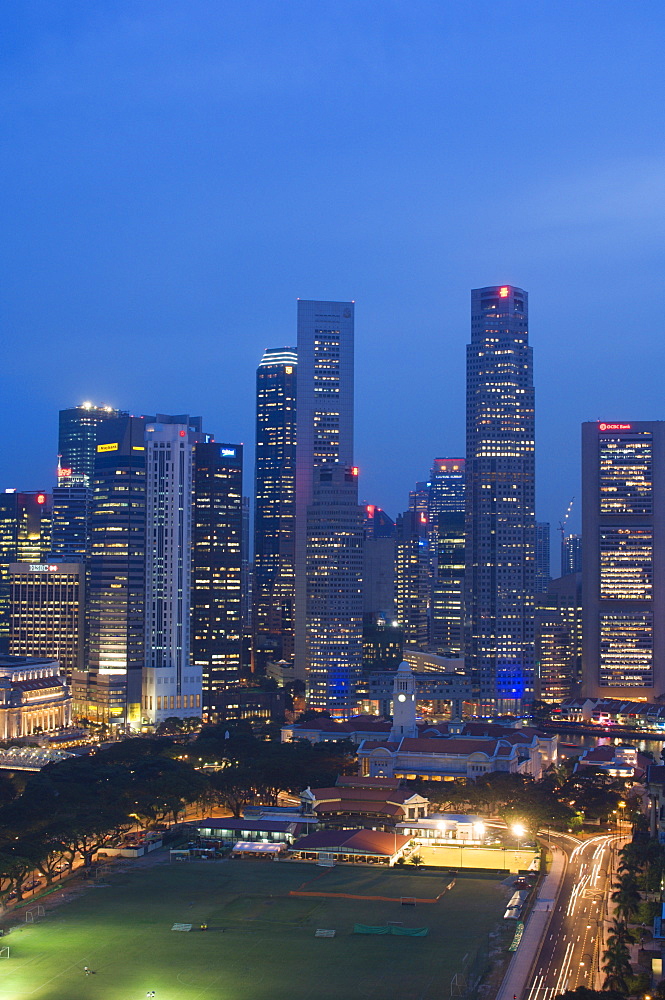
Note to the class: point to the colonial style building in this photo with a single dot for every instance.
(34, 698)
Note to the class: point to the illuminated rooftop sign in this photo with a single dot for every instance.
(614, 427)
(503, 292)
(107, 447)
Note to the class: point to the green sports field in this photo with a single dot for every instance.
(260, 943)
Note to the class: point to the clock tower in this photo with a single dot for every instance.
(404, 703)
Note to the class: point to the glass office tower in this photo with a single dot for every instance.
(500, 500)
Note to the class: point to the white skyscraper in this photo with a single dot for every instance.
(171, 683)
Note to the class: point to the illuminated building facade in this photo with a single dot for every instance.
(447, 542)
(34, 698)
(334, 562)
(413, 577)
(171, 681)
(542, 556)
(77, 440)
(25, 537)
(571, 554)
(623, 526)
(111, 686)
(71, 514)
(47, 612)
(328, 647)
(275, 507)
(500, 500)
(559, 639)
(217, 562)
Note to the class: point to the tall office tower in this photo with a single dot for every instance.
(275, 507)
(571, 554)
(419, 499)
(47, 612)
(25, 537)
(171, 682)
(378, 585)
(334, 555)
(446, 521)
(559, 639)
(500, 500)
(217, 560)
(77, 438)
(413, 577)
(71, 515)
(324, 432)
(623, 561)
(110, 689)
(542, 556)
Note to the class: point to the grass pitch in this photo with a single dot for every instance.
(260, 942)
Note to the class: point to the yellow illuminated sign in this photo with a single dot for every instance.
(289, 370)
(107, 447)
(138, 447)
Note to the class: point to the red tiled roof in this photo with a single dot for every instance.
(353, 781)
(359, 807)
(455, 745)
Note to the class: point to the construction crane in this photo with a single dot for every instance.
(562, 523)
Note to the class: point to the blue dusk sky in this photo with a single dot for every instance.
(175, 174)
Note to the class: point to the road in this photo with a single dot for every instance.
(571, 952)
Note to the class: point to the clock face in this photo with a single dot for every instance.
(401, 697)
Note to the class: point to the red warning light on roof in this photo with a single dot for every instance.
(614, 427)
(41, 498)
(503, 291)
(183, 434)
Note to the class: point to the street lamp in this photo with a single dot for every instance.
(518, 830)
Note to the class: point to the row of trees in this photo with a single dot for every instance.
(641, 870)
(73, 809)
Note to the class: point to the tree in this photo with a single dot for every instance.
(626, 896)
(616, 958)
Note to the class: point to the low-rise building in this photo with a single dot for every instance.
(359, 802)
(34, 698)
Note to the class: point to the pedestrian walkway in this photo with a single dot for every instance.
(519, 971)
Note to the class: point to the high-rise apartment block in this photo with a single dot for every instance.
(171, 682)
(500, 504)
(623, 560)
(275, 507)
(330, 647)
(217, 564)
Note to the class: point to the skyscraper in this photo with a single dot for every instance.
(623, 559)
(116, 576)
(325, 438)
(275, 507)
(571, 554)
(542, 556)
(25, 537)
(77, 438)
(500, 505)
(47, 605)
(446, 520)
(559, 639)
(217, 557)
(171, 682)
(413, 577)
(334, 558)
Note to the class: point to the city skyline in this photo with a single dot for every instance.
(146, 214)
